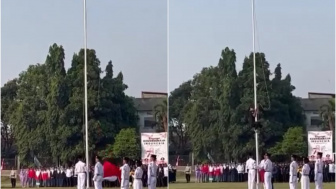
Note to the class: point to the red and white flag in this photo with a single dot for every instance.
(177, 160)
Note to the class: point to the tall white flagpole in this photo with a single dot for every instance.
(255, 93)
(85, 102)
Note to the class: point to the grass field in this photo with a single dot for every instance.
(181, 184)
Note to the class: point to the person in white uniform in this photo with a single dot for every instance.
(318, 171)
(80, 171)
(152, 173)
(125, 174)
(268, 167)
(98, 174)
(137, 184)
(305, 181)
(250, 168)
(293, 171)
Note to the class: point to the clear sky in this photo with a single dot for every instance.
(298, 34)
(133, 34)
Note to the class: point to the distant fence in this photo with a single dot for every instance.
(8, 163)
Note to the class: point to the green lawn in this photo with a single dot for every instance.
(181, 184)
(235, 186)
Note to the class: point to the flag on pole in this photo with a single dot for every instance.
(177, 160)
(37, 162)
(210, 158)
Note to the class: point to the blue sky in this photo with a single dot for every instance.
(298, 34)
(133, 34)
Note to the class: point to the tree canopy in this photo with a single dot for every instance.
(210, 108)
(44, 107)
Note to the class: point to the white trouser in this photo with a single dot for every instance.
(292, 182)
(251, 179)
(81, 180)
(305, 182)
(318, 181)
(152, 183)
(268, 180)
(137, 184)
(98, 182)
(124, 184)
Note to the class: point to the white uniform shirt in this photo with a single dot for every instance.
(211, 169)
(261, 165)
(318, 166)
(250, 164)
(98, 170)
(293, 169)
(331, 168)
(268, 166)
(138, 173)
(80, 167)
(305, 170)
(165, 171)
(68, 173)
(152, 170)
(240, 169)
(125, 172)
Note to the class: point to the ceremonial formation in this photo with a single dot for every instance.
(299, 173)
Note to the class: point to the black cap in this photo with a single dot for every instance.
(320, 153)
(153, 156)
(126, 159)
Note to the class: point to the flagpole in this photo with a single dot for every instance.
(85, 102)
(255, 93)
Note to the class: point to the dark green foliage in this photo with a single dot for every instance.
(211, 108)
(45, 107)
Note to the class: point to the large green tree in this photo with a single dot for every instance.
(219, 101)
(44, 107)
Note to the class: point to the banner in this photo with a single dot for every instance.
(154, 143)
(320, 141)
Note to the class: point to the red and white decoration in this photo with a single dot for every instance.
(154, 143)
(320, 141)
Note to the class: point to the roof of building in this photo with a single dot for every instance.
(151, 92)
(313, 104)
(147, 104)
(332, 95)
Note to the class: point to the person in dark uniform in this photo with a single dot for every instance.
(144, 175)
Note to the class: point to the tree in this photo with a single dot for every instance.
(212, 115)
(178, 100)
(127, 144)
(327, 113)
(160, 114)
(8, 103)
(44, 107)
(294, 142)
(29, 116)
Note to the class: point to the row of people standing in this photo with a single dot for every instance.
(266, 171)
(52, 177)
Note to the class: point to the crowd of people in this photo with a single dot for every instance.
(297, 171)
(67, 177)
(232, 172)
